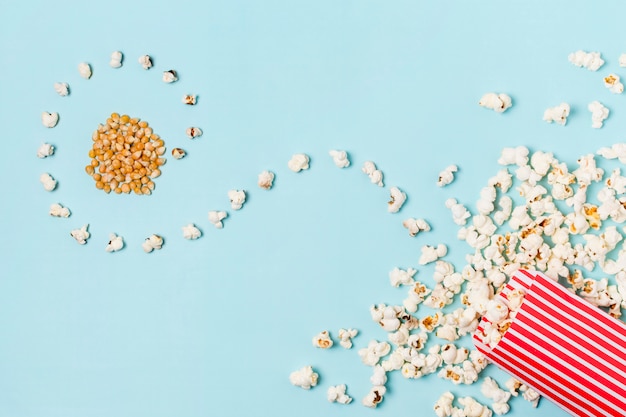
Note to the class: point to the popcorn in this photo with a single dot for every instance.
(304, 378)
(216, 217)
(346, 336)
(416, 296)
(557, 114)
(265, 180)
(514, 156)
(337, 393)
(84, 69)
(622, 60)
(374, 397)
(503, 178)
(613, 84)
(431, 253)
(193, 132)
(116, 59)
(398, 197)
(376, 175)
(530, 395)
(49, 183)
(57, 210)
(415, 226)
(443, 407)
(375, 350)
(447, 175)
(49, 119)
(191, 232)
(81, 235)
(399, 276)
(298, 162)
(322, 340)
(178, 153)
(170, 76)
(145, 61)
(497, 102)
(237, 199)
(460, 214)
(340, 158)
(45, 150)
(189, 99)
(590, 60)
(386, 316)
(617, 150)
(151, 243)
(487, 196)
(115, 243)
(500, 397)
(473, 408)
(379, 377)
(451, 355)
(599, 114)
(62, 89)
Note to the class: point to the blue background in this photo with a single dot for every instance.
(215, 326)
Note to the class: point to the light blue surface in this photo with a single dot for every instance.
(214, 327)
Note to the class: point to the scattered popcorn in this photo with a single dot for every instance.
(398, 197)
(530, 395)
(337, 393)
(81, 235)
(322, 340)
(374, 397)
(191, 232)
(496, 102)
(116, 59)
(189, 99)
(399, 276)
(447, 175)
(57, 210)
(599, 114)
(170, 76)
(443, 407)
(145, 61)
(340, 158)
(557, 114)
(415, 296)
(375, 350)
(473, 408)
(613, 84)
(379, 376)
(178, 153)
(49, 119)
(49, 183)
(45, 150)
(431, 253)
(298, 162)
(346, 336)
(415, 226)
(216, 217)
(193, 132)
(237, 198)
(265, 180)
(590, 60)
(115, 243)
(376, 175)
(62, 89)
(84, 69)
(460, 214)
(304, 378)
(500, 397)
(151, 243)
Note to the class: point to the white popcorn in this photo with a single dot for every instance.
(491, 390)
(62, 89)
(57, 210)
(115, 243)
(191, 232)
(612, 82)
(375, 350)
(145, 61)
(151, 243)
(346, 336)
(84, 69)
(557, 114)
(500, 408)
(503, 180)
(49, 183)
(514, 156)
(379, 376)
(506, 205)
(340, 158)
(415, 226)
(49, 119)
(432, 253)
(487, 197)
(375, 175)
(387, 316)
(237, 199)
(265, 180)
(443, 407)
(599, 114)
(193, 132)
(189, 99)
(416, 296)
(590, 60)
(322, 340)
(460, 214)
(622, 60)
(617, 150)
(530, 395)
(45, 150)
(304, 378)
(397, 199)
(298, 162)
(447, 175)
(81, 235)
(374, 397)
(496, 102)
(473, 408)
(399, 276)
(337, 393)
(216, 217)
(170, 76)
(116, 59)
(452, 355)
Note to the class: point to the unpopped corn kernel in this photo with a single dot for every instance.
(193, 132)
(178, 153)
(189, 99)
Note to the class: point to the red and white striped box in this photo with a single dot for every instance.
(565, 348)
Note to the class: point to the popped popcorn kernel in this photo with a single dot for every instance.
(189, 99)
(57, 210)
(170, 76)
(443, 407)
(145, 61)
(62, 89)
(473, 408)
(191, 232)
(375, 350)
(599, 114)
(432, 253)
(216, 217)
(49, 120)
(397, 199)
(514, 156)
(298, 162)
(399, 276)
(265, 180)
(346, 336)
(496, 102)
(81, 235)
(337, 393)
(340, 158)
(374, 397)
(322, 340)
(116, 59)
(375, 175)
(557, 114)
(115, 244)
(612, 82)
(304, 378)
(178, 153)
(447, 175)
(589, 60)
(237, 199)
(415, 226)
(151, 243)
(49, 183)
(45, 150)
(460, 214)
(84, 70)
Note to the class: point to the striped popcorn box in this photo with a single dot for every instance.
(568, 350)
